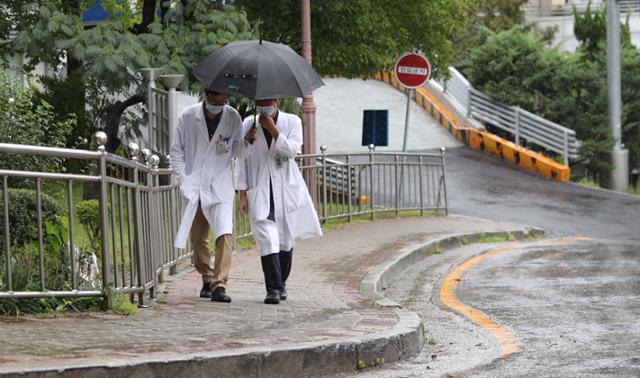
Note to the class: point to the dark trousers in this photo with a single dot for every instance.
(276, 268)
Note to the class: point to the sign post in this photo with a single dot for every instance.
(412, 71)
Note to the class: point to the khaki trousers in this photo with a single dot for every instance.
(218, 274)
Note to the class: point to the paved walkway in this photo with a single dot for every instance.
(341, 103)
(324, 305)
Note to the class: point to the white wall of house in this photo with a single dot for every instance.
(557, 13)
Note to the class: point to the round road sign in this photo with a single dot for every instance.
(412, 70)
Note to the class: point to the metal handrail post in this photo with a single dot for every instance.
(421, 161)
(371, 159)
(565, 148)
(133, 151)
(399, 184)
(323, 150)
(349, 188)
(101, 139)
(517, 125)
(153, 222)
(444, 182)
(7, 233)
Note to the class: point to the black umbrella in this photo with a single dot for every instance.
(257, 70)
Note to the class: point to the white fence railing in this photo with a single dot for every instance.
(526, 127)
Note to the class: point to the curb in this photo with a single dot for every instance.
(379, 277)
(404, 340)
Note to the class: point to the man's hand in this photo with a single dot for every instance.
(267, 123)
(252, 134)
(243, 204)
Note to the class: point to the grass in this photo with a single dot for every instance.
(495, 238)
(589, 183)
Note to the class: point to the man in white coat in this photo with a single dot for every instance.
(207, 136)
(274, 193)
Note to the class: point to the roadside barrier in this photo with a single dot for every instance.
(480, 140)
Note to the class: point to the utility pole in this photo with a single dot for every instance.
(619, 177)
(308, 106)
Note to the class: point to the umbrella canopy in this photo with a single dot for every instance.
(257, 70)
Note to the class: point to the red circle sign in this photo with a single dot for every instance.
(413, 70)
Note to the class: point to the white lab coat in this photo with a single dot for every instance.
(295, 215)
(203, 168)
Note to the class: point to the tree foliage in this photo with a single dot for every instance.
(25, 119)
(520, 68)
(357, 38)
(101, 62)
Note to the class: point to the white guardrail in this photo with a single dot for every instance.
(527, 128)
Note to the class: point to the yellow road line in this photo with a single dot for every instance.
(452, 280)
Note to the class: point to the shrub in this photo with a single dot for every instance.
(23, 225)
(24, 119)
(88, 213)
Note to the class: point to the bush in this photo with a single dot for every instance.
(89, 217)
(24, 119)
(23, 224)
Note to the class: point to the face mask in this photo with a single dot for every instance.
(268, 110)
(215, 109)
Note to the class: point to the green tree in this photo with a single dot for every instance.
(358, 38)
(26, 119)
(101, 61)
(518, 67)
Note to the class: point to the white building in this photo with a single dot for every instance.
(560, 13)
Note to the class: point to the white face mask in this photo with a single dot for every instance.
(268, 110)
(215, 109)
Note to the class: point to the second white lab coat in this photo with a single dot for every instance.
(203, 168)
(295, 214)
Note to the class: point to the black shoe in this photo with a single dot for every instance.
(220, 295)
(283, 294)
(273, 297)
(207, 290)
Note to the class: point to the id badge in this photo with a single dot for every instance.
(280, 160)
(220, 147)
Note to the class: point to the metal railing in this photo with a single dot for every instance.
(526, 127)
(137, 223)
(159, 138)
(139, 207)
(370, 183)
(549, 8)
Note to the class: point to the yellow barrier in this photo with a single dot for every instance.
(481, 140)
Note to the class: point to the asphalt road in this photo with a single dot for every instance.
(483, 187)
(573, 309)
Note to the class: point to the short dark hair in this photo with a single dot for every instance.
(213, 93)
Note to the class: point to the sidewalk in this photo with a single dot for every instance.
(314, 332)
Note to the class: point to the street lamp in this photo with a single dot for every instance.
(619, 177)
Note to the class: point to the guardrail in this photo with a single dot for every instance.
(542, 8)
(377, 182)
(139, 213)
(370, 183)
(138, 221)
(526, 127)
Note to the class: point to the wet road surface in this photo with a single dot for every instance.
(483, 187)
(574, 309)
